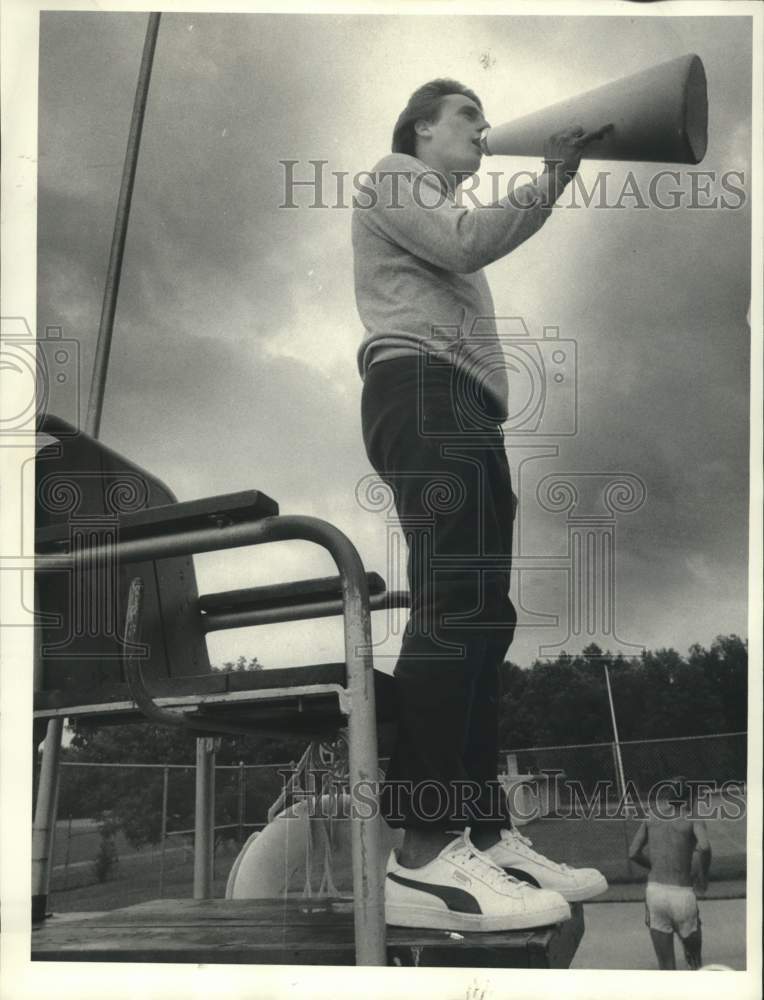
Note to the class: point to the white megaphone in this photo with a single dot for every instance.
(659, 115)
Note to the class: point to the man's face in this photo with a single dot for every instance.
(451, 143)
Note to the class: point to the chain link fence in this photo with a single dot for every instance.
(583, 803)
(144, 850)
(577, 803)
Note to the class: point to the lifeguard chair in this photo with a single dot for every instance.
(123, 628)
(122, 638)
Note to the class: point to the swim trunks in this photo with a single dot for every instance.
(671, 908)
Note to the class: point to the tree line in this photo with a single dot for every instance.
(659, 698)
(657, 695)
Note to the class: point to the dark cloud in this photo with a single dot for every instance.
(233, 364)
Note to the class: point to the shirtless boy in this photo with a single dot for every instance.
(674, 847)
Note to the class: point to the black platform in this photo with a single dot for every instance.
(286, 932)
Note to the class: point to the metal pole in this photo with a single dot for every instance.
(44, 825)
(365, 828)
(114, 273)
(52, 849)
(165, 782)
(68, 847)
(617, 745)
(241, 802)
(204, 821)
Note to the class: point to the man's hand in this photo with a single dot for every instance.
(563, 152)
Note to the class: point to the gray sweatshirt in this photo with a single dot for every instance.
(418, 259)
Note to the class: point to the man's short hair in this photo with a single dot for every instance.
(424, 104)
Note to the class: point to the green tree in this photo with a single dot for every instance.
(659, 694)
(725, 665)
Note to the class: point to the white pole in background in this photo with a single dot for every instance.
(616, 742)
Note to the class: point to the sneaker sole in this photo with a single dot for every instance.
(407, 915)
(577, 894)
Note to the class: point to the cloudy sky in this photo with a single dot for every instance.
(233, 364)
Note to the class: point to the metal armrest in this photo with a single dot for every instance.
(294, 601)
(283, 595)
(153, 522)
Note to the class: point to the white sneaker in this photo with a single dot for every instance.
(514, 854)
(461, 890)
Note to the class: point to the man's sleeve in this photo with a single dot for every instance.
(411, 210)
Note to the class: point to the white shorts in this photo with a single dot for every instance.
(671, 908)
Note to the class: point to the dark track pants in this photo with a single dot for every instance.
(450, 477)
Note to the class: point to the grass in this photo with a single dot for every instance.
(599, 843)
(604, 844)
(136, 879)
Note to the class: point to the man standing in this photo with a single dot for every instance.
(678, 849)
(434, 398)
